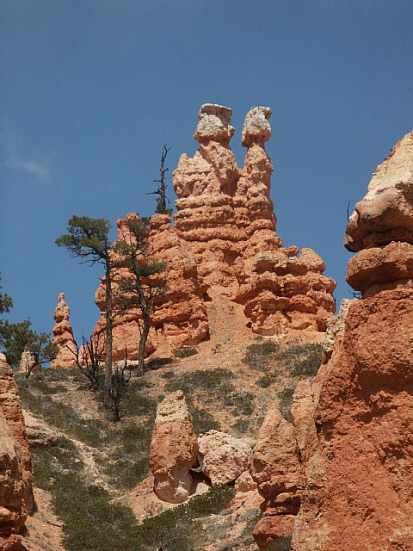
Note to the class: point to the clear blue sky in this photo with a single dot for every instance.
(92, 89)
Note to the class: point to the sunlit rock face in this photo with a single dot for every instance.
(16, 474)
(224, 242)
(227, 219)
(386, 212)
(174, 449)
(179, 317)
(63, 336)
(360, 477)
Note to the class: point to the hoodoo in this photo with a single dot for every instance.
(359, 493)
(224, 242)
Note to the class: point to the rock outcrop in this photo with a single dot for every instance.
(63, 336)
(225, 214)
(360, 474)
(173, 450)
(277, 470)
(225, 458)
(179, 316)
(224, 242)
(16, 494)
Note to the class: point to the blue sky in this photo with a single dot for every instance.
(92, 89)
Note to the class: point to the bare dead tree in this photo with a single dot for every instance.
(89, 358)
(161, 191)
(119, 386)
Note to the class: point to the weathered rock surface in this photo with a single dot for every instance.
(276, 468)
(224, 242)
(225, 457)
(227, 220)
(386, 212)
(16, 494)
(13, 511)
(179, 317)
(360, 473)
(12, 543)
(173, 449)
(63, 336)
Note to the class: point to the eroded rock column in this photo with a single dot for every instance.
(63, 336)
(360, 483)
(173, 449)
(16, 475)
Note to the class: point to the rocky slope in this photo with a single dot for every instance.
(103, 468)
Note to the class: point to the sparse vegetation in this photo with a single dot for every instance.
(90, 507)
(261, 354)
(185, 352)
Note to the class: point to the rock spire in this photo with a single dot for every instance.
(63, 336)
(224, 243)
(16, 475)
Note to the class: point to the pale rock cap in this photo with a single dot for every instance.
(256, 129)
(214, 123)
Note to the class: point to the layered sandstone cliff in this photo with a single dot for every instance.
(225, 215)
(224, 242)
(359, 493)
(179, 316)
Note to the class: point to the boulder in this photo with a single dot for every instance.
(225, 458)
(173, 450)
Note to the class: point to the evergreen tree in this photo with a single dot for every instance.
(15, 338)
(144, 283)
(88, 239)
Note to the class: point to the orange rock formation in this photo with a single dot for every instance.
(173, 449)
(16, 494)
(224, 241)
(63, 336)
(360, 474)
(180, 315)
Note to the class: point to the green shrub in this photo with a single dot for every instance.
(280, 544)
(168, 375)
(261, 354)
(304, 359)
(203, 421)
(127, 473)
(156, 363)
(185, 352)
(202, 380)
(49, 463)
(242, 402)
(135, 403)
